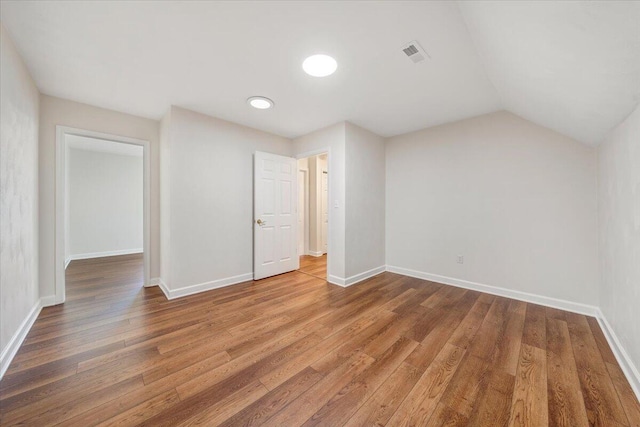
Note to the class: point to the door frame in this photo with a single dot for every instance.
(305, 203)
(60, 199)
(330, 243)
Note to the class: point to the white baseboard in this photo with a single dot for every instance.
(574, 307)
(9, 352)
(66, 262)
(625, 362)
(103, 254)
(154, 281)
(202, 287)
(316, 254)
(335, 280)
(48, 301)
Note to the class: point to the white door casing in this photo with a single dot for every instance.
(325, 209)
(302, 211)
(275, 215)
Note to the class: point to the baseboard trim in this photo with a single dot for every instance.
(316, 254)
(103, 254)
(154, 281)
(66, 262)
(202, 287)
(335, 280)
(48, 301)
(626, 364)
(9, 352)
(574, 307)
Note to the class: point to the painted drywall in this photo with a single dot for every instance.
(619, 230)
(516, 200)
(210, 206)
(365, 195)
(165, 198)
(19, 103)
(105, 203)
(332, 138)
(57, 111)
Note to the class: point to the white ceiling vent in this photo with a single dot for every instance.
(415, 52)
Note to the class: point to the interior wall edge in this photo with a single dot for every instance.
(624, 360)
(12, 347)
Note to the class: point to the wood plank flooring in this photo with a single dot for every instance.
(314, 266)
(293, 350)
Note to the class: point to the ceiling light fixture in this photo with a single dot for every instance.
(260, 102)
(319, 65)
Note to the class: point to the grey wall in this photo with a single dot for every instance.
(210, 200)
(18, 193)
(516, 200)
(105, 203)
(56, 111)
(619, 223)
(365, 195)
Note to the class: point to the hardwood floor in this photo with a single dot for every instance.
(292, 350)
(314, 266)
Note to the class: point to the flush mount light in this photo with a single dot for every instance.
(260, 102)
(319, 65)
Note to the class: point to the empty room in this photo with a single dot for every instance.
(333, 213)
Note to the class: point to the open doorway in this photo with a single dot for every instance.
(313, 214)
(102, 215)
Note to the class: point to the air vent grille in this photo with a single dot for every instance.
(414, 52)
(410, 50)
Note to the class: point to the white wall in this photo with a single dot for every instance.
(365, 195)
(56, 111)
(619, 224)
(332, 137)
(518, 201)
(105, 203)
(18, 197)
(210, 206)
(165, 197)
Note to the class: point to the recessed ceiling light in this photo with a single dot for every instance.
(319, 65)
(260, 102)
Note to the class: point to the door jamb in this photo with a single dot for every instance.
(60, 197)
(330, 243)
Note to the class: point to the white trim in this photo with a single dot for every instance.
(105, 254)
(164, 288)
(315, 254)
(60, 196)
(356, 278)
(154, 281)
(624, 360)
(202, 287)
(66, 262)
(9, 352)
(335, 280)
(574, 307)
(48, 301)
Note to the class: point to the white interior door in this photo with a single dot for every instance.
(325, 209)
(274, 212)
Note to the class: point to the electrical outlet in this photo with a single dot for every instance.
(460, 259)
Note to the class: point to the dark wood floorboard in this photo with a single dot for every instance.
(294, 350)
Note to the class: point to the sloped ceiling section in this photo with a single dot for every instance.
(573, 67)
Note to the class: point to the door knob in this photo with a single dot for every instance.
(260, 222)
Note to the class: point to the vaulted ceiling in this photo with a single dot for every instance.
(571, 66)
